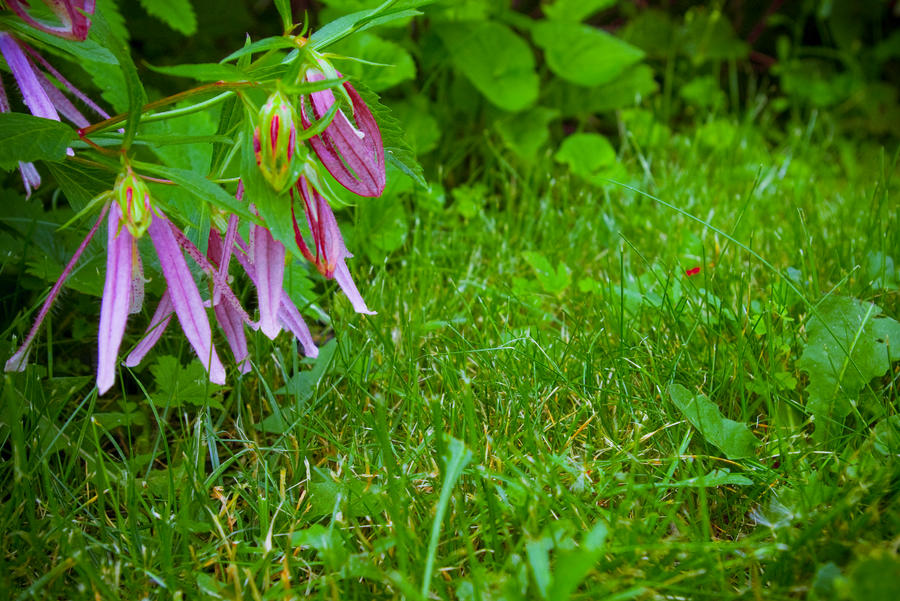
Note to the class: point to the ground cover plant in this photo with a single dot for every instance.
(621, 323)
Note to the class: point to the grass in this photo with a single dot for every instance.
(503, 428)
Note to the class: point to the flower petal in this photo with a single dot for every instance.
(25, 74)
(158, 324)
(354, 155)
(231, 323)
(116, 298)
(288, 314)
(268, 260)
(185, 297)
(342, 276)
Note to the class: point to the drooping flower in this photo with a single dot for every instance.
(352, 151)
(229, 314)
(330, 251)
(123, 287)
(39, 94)
(275, 141)
(74, 17)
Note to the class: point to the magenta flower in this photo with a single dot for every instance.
(42, 98)
(129, 216)
(287, 313)
(330, 251)
(73, 15)
(273, 300)
(352, 152)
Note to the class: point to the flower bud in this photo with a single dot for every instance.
(275, 141)
(133, 197)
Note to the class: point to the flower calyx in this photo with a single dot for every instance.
(133, 198)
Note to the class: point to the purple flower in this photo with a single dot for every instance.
(73, 15)
(330, 251)
(42, 98)
(259, 264)
(352, 152)
(129, 216)
(287, 314)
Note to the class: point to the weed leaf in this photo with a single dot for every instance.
(733, 438)
(849, 343)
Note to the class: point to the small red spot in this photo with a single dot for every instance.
(692, 271)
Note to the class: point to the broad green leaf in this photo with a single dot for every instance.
(703, 92)
(79, 183)
(301, 386)
(391, 10)
(177, 14)
(589, 156)
(393, 63)
(177, 385)
(538, 552)
(849, 343)
(419, 127)
(886, 435)
(326, 541)
(383, 224)
(708, 35)
(134, 89)
(495, 60)
(172, 140)
(109, 79)
(575, 10)
(571, 566)
(203, 71)
(527, 132)
(355, 496)
(114, 18)
(653, 31)
(731, 437)
(553, 281)
(717, 477)
(263, 45)
(29, 138)
(582, 54)
(627, 90)
(202, 189)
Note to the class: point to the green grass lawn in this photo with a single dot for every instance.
(547, 406)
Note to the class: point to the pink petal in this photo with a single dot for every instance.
(233, 326)
(342, 276)
(353, 155)
(30, 177)
(74, 24)
(221, 276)
(25, 75)
(65, 82)
(293, 321)
(230, 320)
(116, 298)
(268, 261)
(161, 318)
(288, 313)
(185, 297)
(331, 252)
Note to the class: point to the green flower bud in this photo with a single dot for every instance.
(275, 141)
(133, 197)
